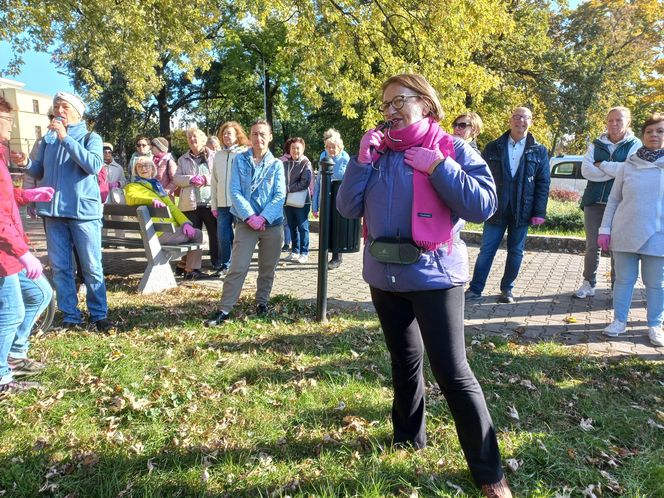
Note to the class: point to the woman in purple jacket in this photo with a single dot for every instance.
(414, 185)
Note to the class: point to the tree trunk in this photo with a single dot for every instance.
(164, 113)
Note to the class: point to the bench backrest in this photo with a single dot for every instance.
(133, 225)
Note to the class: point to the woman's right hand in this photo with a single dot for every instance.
(371, 138)
(604, 241)
(33, 267)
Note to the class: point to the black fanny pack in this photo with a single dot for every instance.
(395, 251)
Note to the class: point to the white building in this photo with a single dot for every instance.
(30, 119)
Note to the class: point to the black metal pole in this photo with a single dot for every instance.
(326, 170)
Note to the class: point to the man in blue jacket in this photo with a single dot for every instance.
(520, 168)
(73, 218)
(258, 192)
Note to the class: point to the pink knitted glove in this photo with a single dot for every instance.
(604, 241)
(421, 159)
(33, 268)
(536, 221)
(371, 138)
(198, 180)
(188, 231)
(158, 204)
(39, 194)
(256, 222)
(215, 213)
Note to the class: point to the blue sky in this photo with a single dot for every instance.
(40, 74)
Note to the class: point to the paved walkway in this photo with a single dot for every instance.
(544, 309)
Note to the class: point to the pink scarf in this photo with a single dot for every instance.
(430, 217)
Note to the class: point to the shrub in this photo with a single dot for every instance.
(564, 195)
(564, 215)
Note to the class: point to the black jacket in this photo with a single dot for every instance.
(529, 190)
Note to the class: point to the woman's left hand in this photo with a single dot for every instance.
(422, 159)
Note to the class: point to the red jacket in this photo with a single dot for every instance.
(13, 241)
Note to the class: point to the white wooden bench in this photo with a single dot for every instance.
(140, 231)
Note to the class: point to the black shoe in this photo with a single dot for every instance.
(196, 275)
(217, 319)
(261, 309)
(285, 248)
(506, 297)
(472, 297)
(179, 271)
(70, 327)
(334, 264)
(104, 325)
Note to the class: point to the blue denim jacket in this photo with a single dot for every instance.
(71, 169)
(269, 188)
(340, 163)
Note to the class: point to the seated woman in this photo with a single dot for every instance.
(633, 228)
(146, 191)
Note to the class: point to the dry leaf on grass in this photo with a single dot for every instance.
(513, 464)
(569, 319)
(513, 413)
(586, 424)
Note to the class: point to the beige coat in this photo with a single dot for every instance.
(191, 196)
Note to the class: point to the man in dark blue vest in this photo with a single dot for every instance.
(520, 168)
(616, 144)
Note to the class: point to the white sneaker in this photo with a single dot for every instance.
(291, 256)
(656, 336)
(586, 290)
(615, 328)
(303, 258)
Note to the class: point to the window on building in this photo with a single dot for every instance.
(35, 106)
(38, 134)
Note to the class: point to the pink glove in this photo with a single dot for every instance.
(536, 221)
(158, 204)
(39, 194)
(188, 230)
(604, 241)
(33, 268)
(32, 212)
(198, 180)
(315, 213)
(256, 222)
(421, 159)
(371, 138)
(215, 213)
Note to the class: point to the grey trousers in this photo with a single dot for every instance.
(269, 243)
(592, 219)
(193, 258)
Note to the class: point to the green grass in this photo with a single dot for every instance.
(563, 218)
(284, 406)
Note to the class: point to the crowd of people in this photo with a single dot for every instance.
(413, 184)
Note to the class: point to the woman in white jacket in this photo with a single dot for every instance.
(235, 141)
(633, 228)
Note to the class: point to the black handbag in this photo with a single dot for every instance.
(395, 251)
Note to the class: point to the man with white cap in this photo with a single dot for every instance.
(74, 216)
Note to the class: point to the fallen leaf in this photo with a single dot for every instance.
(151, 466)
(586, 424)
(513, 413)
(654, 424)
(569, 319)
(589, 492)
(341, 406)
(513, 464)
(458, 489)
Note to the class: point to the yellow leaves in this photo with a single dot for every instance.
(569, 319)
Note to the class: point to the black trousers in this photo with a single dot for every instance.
(433, 320)
(203, 216)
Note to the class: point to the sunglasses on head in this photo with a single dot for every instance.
(461, 125)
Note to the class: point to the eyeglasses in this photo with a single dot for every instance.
(461, 125)
(9, 119)
(397, 102)
(518, 117)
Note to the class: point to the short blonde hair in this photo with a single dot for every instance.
(476, 123)
(147, 160)
(335, 140)
(419, 84)
(200, 134)
(622, 109)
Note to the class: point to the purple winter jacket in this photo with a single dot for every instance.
(383, 195)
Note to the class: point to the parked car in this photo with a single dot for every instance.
(566, 173)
